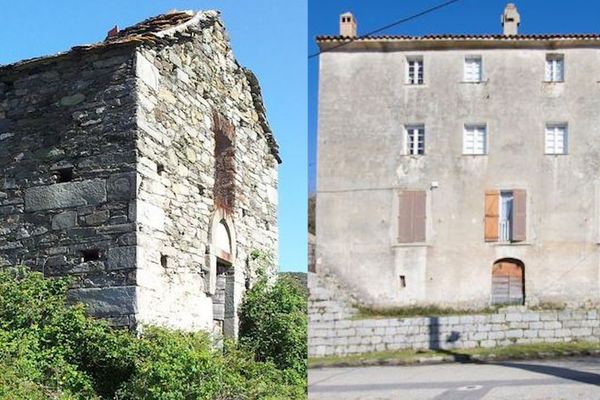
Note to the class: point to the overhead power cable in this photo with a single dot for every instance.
(383, 28)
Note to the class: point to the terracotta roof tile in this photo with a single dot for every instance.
(504, 38)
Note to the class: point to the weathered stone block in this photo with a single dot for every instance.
(121, 186)
(64, 220)
(106, 301)
(121, 258)
(65, 195)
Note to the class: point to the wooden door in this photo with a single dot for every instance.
(507, 282)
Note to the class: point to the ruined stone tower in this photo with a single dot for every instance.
(142, 166)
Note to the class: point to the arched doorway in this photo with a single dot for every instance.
(221, 259)
(508, 281)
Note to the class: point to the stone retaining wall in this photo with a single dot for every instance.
(345, 336)
(334, 331)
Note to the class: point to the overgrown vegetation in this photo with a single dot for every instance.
(49, 350)
(418, 311)
(273, 320)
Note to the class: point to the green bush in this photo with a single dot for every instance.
(273, 322)
(178, 365)
(49, 350)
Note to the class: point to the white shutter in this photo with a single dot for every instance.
(558, 70)
(479, 147)
(549, 140)
(548, 77)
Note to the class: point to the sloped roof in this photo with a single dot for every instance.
(153, 30)
(503, 38)
(148, 30)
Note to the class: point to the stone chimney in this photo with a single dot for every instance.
(347, 25)
(510, 20)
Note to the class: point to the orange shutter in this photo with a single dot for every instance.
(519, 227)
(491, 215)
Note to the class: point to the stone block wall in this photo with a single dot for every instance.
(182, 86)
(67, 174)
(333, 330)
(108, 167)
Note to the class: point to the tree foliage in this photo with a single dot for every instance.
(49, 350)
(273, 322)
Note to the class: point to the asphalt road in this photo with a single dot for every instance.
(568, 379)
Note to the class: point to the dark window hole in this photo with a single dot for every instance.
(64, 175)
(402, 281)
(90, 255)
(160, 168)
(164, 260)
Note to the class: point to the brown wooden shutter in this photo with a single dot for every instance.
(411, 217)
(419, 204)
(491, 215)
(519, 225)
(405, 217)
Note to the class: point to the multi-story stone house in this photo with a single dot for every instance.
(460, 170)
(144, 168)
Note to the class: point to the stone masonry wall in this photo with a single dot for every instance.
(333, 331)
(182, 85)
(67, 174)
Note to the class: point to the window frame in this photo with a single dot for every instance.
(552, 59)
(565, 138)
(414, 81)
(409, 138)
(475, 127)
(480, 61)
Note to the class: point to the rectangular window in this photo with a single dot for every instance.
(414, 71)
(555, 68)
(411, 217)
(475, 139)
(505, 215)
(414, 139)
(556, 139)
(472, 69)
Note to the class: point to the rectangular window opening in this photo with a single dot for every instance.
(402, 281)
(414, 139)
(90, 255)
(472, 71)
(506, 216)
(475, 139)
(414, 70)
(164, 260)
(556, 139)
(555, 68)
(160, 169)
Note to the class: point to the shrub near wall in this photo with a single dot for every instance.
(49, 350)
(273, 323)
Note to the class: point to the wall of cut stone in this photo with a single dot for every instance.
(67, 174)
(331, 336)
(182, 85)
(334, 329)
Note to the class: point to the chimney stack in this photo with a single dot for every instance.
(113, 32)
(347, 25)
(510, 20)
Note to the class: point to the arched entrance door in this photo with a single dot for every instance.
(508, 281)
(222, 257)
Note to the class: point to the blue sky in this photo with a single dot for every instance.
(268, 36)
(464, 16)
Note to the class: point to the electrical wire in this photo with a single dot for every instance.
(427, 11)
